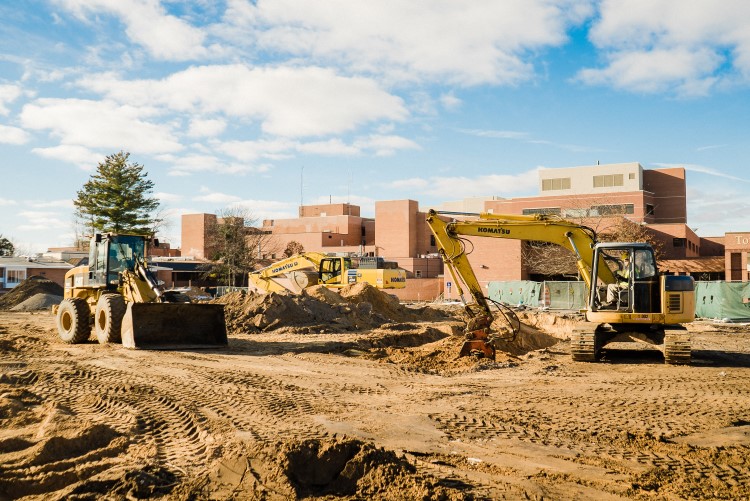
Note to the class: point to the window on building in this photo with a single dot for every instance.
(679, 242)
(542, 210)
(16, 276)
(573, 213)
(611, 209)
(364, 231)
(649, 209)
(607, 180)
(561, 183)
(432, 241)
(631, 175)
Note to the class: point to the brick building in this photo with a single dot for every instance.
(592, 195)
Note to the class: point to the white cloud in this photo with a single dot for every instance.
(710, 215)
(450, 101)
(268, 209)
(215, 197)
(703, 170)
(168, 197)
(193, 164)
(206, 127)
(99, 124)
(78, 155)
(149, 25)
(4, 202)
(288, 101)
(453, 187)
(470, 43)
(41, 220)
(8, 94)
(46, 204)
(385, 145)
(278, 149)
(497, 134)
(688, 46)
(13, 135)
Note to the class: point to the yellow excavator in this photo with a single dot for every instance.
(124, 301)
(628, 301)
(294, 273)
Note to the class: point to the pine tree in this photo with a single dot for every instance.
(116, 198)
(6, 247)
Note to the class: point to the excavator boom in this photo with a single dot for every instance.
(643, 303)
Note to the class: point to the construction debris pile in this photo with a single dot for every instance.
(318, 310)
(34, 293)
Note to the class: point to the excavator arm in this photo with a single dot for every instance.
(265, 278)
(448, 236)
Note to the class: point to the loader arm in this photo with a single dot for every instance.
(264, 279)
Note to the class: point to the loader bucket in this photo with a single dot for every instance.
(174, 326)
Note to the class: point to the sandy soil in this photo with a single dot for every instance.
(387, 413)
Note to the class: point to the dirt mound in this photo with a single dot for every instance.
(253, 312)
(382, 303)
(314, 468)
(442, 356)
(317, 309)
(28, 288)
(38, 302)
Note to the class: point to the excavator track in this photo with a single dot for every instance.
(584, 346)
(677, 350)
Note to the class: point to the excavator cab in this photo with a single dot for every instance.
(331, 269)
(636, 288)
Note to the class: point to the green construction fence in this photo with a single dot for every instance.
(716, 300)
(723, 300)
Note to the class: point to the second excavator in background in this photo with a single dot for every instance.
(643, 305)
(307, 269)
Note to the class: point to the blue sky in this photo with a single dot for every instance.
(266, 104)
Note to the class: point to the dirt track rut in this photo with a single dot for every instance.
(539, 426)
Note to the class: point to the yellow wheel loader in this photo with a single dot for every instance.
(122, 299)
(628, 301)
(307, 269)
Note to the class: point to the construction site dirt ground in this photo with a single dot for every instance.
(384, 413)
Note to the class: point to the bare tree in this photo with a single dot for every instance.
(604, 217)
(293, 248)
(625, 230)
(234, 245)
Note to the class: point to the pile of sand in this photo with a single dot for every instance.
(325, 469)
(27, 289)
(318, 309)
(38, 302)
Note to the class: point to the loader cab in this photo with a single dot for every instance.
(112, 254)
(636, 286)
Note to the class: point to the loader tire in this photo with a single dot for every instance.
(73, 317)
(108, 318)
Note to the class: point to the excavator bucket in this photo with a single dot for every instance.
(174, 326)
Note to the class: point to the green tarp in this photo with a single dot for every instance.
(515, 292)
(562, 295)
(722, 300)
(718, 300)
